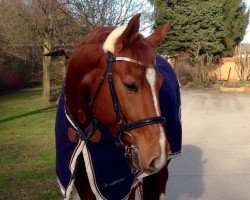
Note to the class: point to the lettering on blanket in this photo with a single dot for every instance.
(114, 182)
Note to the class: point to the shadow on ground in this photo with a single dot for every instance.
(185, 175)
(27, 114)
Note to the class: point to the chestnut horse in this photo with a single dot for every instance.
(112, 78)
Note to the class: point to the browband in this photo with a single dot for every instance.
(126, 59)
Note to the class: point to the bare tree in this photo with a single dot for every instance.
(18, 42)
(12, 29)
(242, 59)
(30, 28)
(44, 17)
(243, 66)
(92, 13)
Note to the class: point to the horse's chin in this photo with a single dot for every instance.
(146, 173)
(143, 175)
(156, 170)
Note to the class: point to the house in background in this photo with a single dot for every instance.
(231, 68)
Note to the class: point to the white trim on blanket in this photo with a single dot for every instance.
(178, 153)
(72, 166)
(70, 121)
(61, 187)
(174, 155)
(67, 192)
(90, 173)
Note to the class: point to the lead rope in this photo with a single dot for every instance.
(137, 185)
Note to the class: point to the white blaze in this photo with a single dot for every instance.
(151, 77)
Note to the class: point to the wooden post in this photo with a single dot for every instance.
(228, 74)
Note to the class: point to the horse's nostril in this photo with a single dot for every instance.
(152, 164)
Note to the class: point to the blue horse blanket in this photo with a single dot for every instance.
(108, 172)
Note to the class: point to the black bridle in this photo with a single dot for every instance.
(121, 119)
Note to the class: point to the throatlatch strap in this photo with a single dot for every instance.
(85, 134)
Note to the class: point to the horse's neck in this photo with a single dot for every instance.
(80, 74)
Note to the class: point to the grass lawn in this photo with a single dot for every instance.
(27, 149)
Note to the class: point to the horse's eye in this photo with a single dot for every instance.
(131, 87)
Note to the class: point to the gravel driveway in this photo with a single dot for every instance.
(215, 160)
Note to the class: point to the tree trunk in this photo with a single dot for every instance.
(46, 66)
(64, 63)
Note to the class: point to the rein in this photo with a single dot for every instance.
(124, 125)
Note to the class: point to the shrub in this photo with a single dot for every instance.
(10, 79)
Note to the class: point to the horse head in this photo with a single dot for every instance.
(130, 71)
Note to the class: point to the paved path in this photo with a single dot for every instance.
(215, 161)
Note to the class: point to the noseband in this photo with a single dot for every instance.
(124, 125)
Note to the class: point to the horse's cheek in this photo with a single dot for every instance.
(81, 116)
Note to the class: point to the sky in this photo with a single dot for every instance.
(247, 36)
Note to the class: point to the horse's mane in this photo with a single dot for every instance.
(140, 50)
(97, 36)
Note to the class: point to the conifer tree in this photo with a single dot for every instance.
(201, 26)
(236, 18)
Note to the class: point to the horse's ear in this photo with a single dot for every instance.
(131, 31)
(158, 36)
